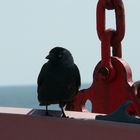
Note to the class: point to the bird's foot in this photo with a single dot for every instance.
(63, 115)
(48, 114)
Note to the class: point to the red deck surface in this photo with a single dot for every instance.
(33, 126)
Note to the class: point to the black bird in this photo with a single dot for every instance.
(58, 80)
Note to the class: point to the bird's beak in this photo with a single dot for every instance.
(47, 57)
(50, 56)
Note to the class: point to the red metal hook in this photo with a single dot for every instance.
(112, 78)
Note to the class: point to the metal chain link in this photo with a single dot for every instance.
(116, 35)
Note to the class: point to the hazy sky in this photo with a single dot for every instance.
(30, 28)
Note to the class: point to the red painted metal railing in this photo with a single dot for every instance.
(112, 78)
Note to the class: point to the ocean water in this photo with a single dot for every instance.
(25, 97)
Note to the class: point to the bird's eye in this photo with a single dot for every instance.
(60, 56)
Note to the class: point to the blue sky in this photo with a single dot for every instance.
(30, 28)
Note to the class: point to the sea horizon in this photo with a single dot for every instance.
(24, 96)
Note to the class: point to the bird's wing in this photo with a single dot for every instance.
(41, 75)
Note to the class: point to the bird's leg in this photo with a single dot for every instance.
(63, 113)
(62, 109)
(47, 113)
